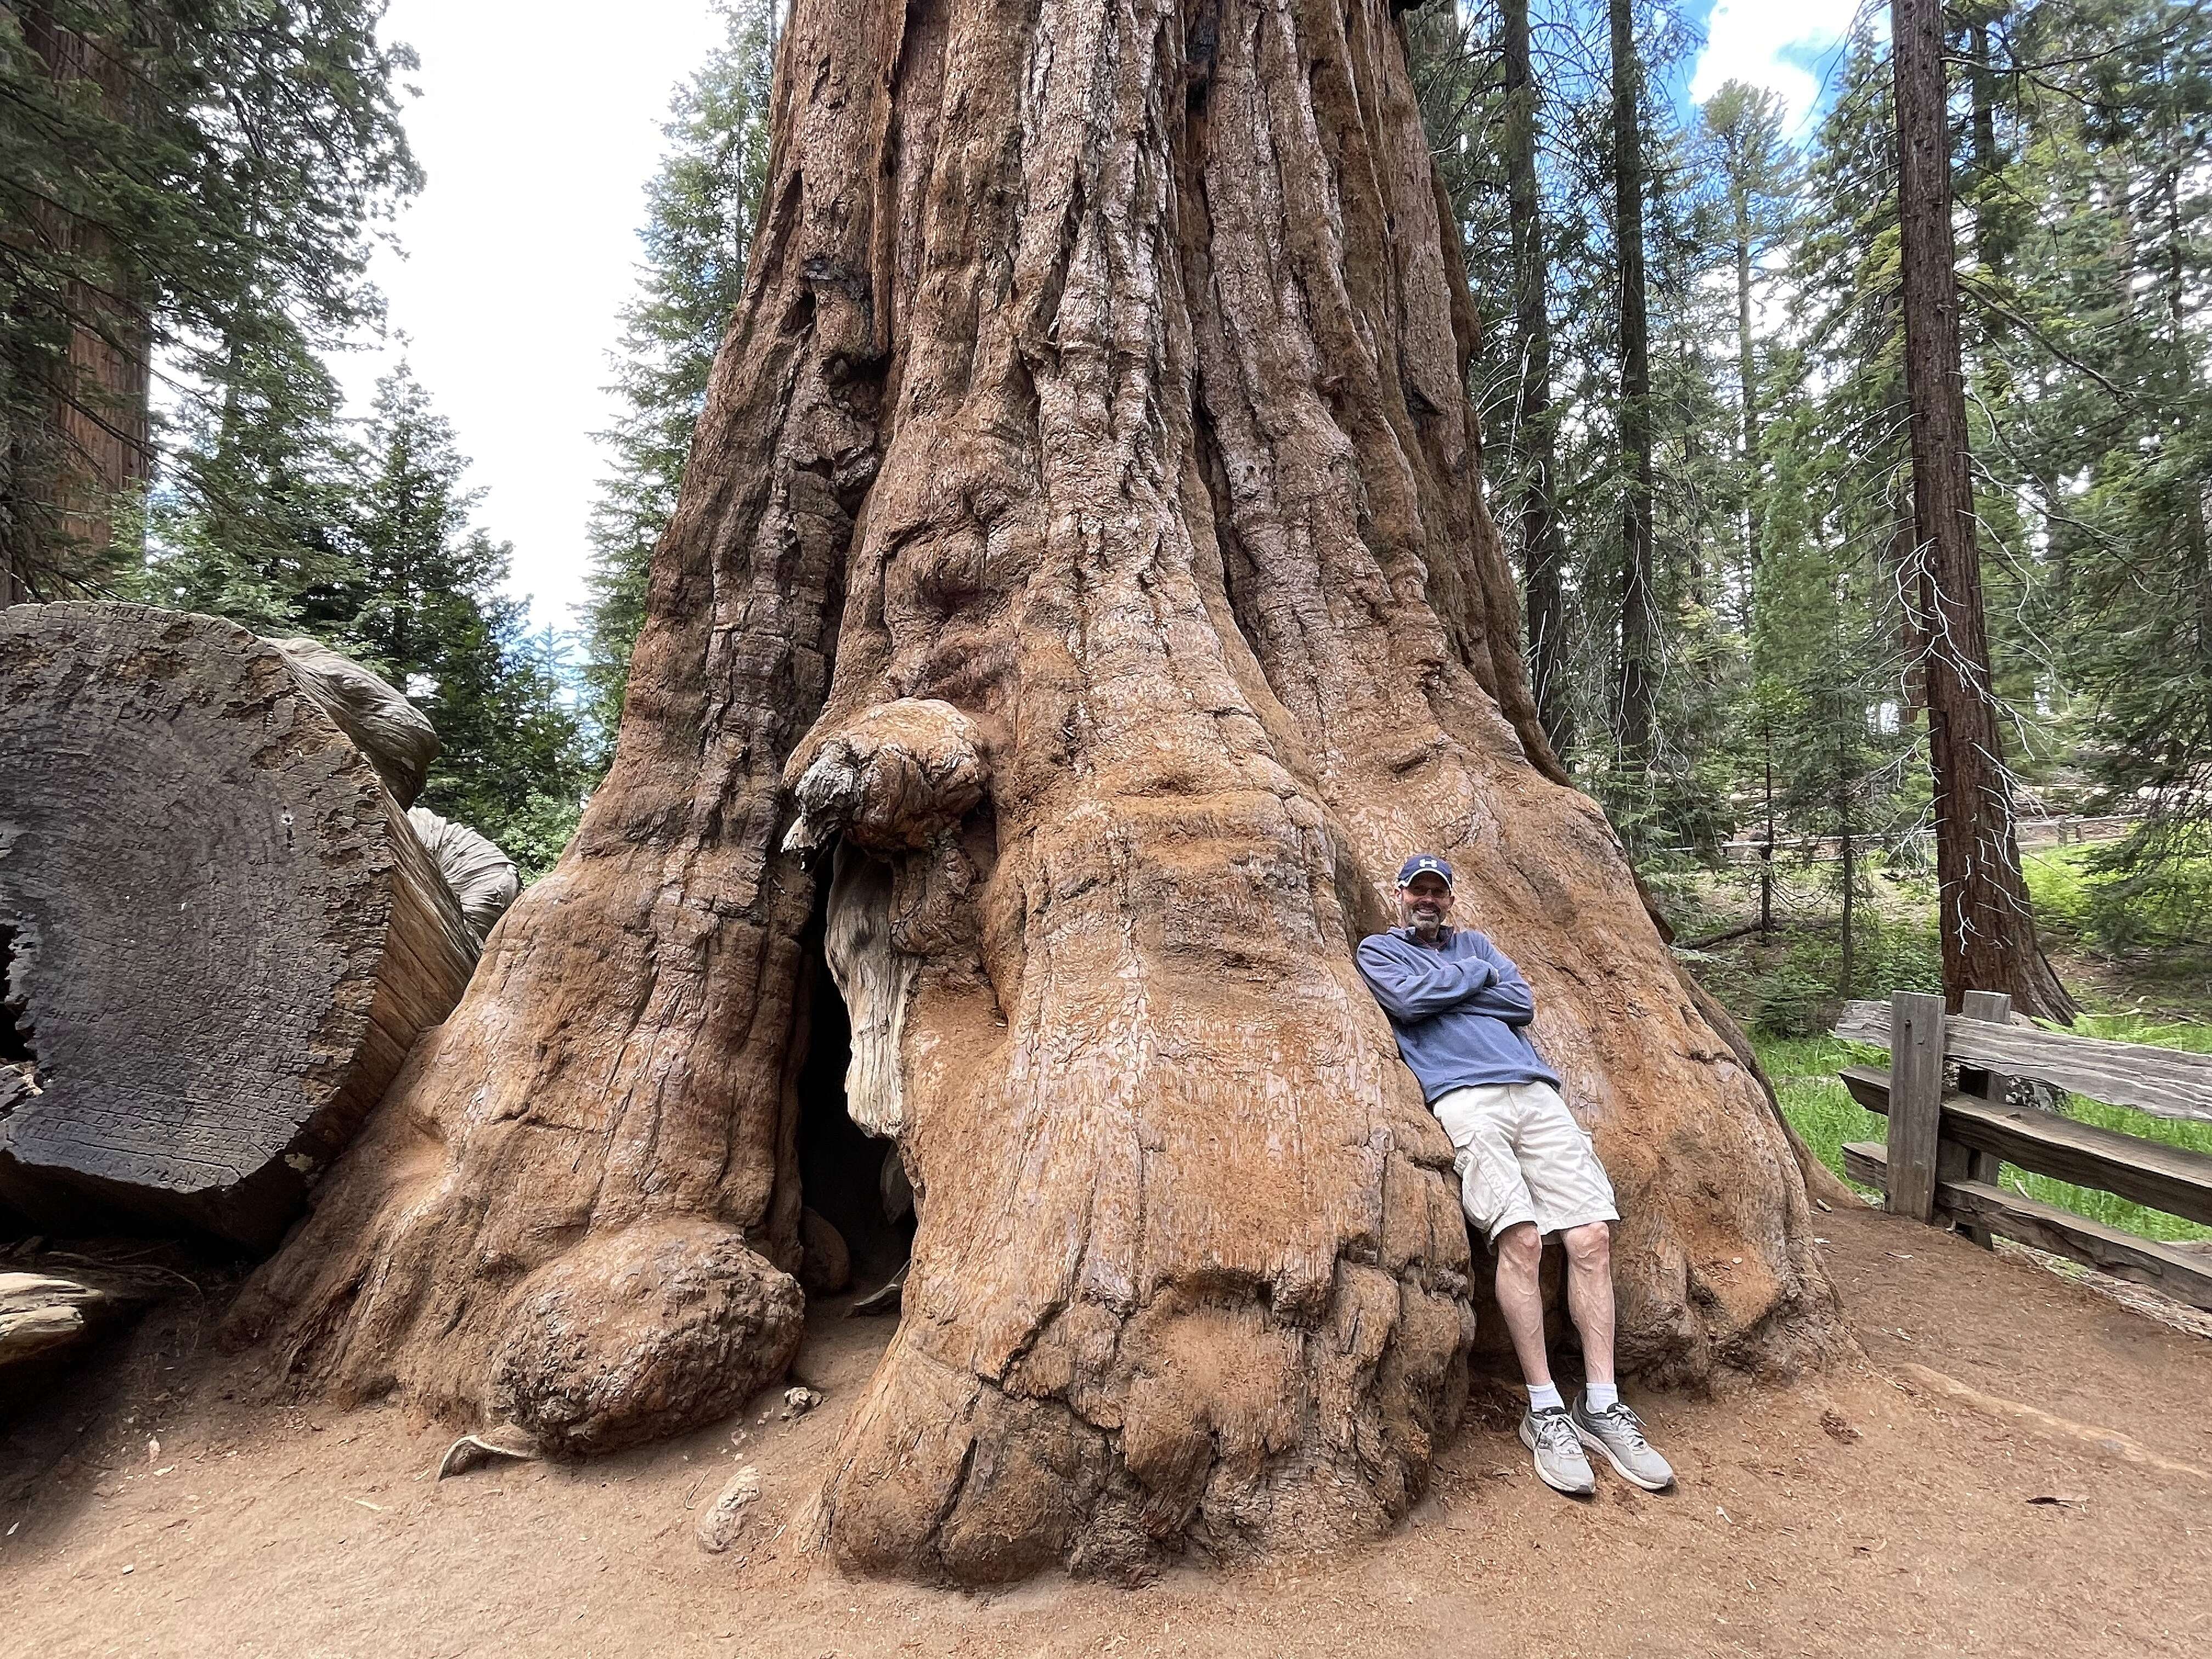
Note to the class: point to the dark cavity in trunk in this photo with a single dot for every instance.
(848, 1177)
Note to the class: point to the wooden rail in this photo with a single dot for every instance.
(1945, 1145)
(2163, 1082)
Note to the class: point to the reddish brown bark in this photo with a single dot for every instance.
(1988, 925)
(1104, 366)
(67, 474)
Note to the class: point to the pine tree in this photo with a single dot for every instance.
(1741, 127)
(2096, 370)
(422, 606)
(1638, 668)
(1832, 731)
(1988, 927)
(191, 181)
(253, 516)
(1543, 540)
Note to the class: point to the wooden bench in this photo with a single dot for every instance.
(1945, 1145)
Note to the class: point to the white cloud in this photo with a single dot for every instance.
(1769, 43)
(538, 127)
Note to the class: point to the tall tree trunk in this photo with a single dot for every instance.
(1747, 381)
(1993, 235)
(1638, 619)
(1847, 849)
(1766, 848)
(1543, 538)
(1989, 930)
(1850, 898)
(1097, 406)
(92, 450)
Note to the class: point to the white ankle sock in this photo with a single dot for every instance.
(1545, 1397)
(1601, 1396)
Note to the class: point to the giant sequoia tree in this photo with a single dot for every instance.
(1081, 595)
(1988, 927)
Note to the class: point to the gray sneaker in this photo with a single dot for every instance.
(1618, 1433)
(1560, 1465)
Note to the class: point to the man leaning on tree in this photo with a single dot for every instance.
(1461, 1011)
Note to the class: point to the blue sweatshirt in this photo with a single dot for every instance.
(1460, 1009)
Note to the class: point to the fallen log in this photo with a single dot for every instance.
(482, 880)
(396, 736)
(222, 936)
(44, 1314)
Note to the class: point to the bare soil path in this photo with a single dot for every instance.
(1855, 1513)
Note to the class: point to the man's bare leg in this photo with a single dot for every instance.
(1600, 1420)
(1589, 1294)
(1520, 1254)
(1546, 1430)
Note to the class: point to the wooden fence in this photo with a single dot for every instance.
(1946, 1143)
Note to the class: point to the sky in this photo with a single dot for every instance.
(538, 143)
(1787, 45)
(538, 126)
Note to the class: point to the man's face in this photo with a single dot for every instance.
(1424, 902)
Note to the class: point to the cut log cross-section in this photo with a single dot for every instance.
(1097, 407)
(223, 936)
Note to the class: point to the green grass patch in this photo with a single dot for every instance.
(2189, 1036)
(2082, 893)
(1803, 1070)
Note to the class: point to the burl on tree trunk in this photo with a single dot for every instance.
(1085, 534)
(219, 938)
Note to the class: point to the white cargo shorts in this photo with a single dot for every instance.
(1521, 1156)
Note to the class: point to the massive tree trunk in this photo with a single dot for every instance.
(1097, 402)
(1989, 929)
(218, 936)
(1638, 607)
(1543, 540)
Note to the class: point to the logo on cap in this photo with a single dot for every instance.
(1423, 864)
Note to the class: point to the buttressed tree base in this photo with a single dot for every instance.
(1083, 555)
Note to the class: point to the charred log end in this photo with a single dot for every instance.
(643, 1333)
(224, 933)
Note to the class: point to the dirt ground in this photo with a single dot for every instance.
(144, 1511)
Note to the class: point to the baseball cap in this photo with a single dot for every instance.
(1423, 864)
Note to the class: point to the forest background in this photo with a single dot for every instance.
(1712, 523)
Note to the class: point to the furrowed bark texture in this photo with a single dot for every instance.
(1104, 366)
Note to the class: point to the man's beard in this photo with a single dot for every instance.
(1425, 921)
